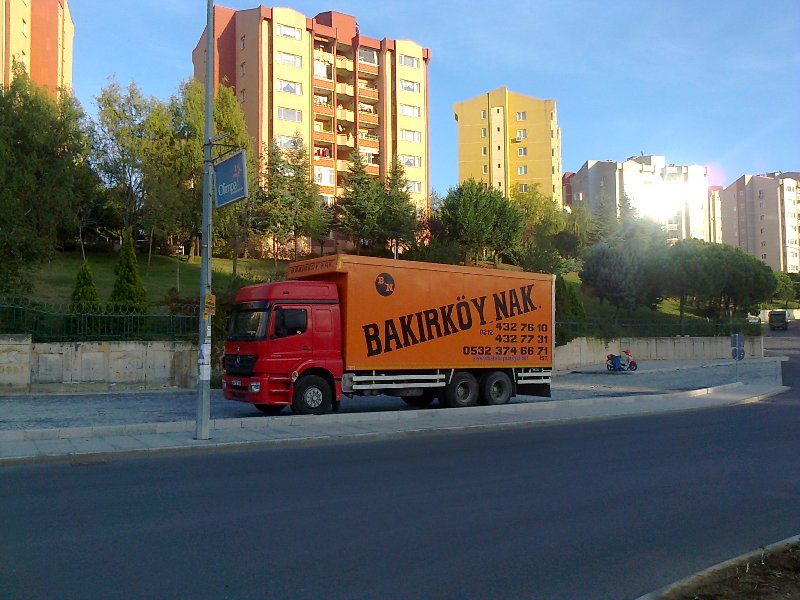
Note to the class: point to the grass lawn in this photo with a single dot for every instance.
(55, 281)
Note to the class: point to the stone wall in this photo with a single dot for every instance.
(103, 366)
(589, 351)
(94, 366)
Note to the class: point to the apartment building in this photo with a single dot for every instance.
(511, 142)
(676, 196)
(39, 34)
(323, 80)
(760, 216)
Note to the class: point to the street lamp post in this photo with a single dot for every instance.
(204, 337)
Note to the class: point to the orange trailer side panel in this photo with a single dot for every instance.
(404, 315)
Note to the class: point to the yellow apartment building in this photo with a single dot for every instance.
(340, 90)
(511, 142)
(39, 34)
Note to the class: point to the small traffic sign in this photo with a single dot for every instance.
(737, 353)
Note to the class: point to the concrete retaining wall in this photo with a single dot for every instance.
(94, 366)
(588, 351)
(103, 366)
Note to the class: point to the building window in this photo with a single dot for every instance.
(367, 56)
(285, 141)
(242, 69)
(522, 134)
(290, 114)
(761, 218)
(522, 170)
(483, 114)
(409, 86)
(763, 257)
(324, 176)
(763, 244)
(327, 200)
(415, 187)
(522, 152)
(290, 87)
(483, 132)
(24, 28)
(485, 169)
(523, 187)
(289, 32)
(242, 96)
(484, 151)
(241, 43)
(409, 61)
(410, 161)
(522, 116)
(289, 60)
(760, 194)
(408, 135)
(409, 111)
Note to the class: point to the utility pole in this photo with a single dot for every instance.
(204, 337)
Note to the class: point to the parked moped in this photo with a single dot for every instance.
(623, 362)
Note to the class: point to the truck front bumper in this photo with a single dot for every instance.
(254, 390)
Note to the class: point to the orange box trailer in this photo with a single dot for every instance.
(403, 315)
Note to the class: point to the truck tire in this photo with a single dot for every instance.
(312, 396)
(496, 388)
(462, 391)
(270, 409)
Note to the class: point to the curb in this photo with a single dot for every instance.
(693, 580)
(22, 435)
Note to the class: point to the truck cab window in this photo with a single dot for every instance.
(290, 321)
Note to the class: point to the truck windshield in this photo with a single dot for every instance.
(248, 323)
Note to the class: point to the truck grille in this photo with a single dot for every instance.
(239, 364)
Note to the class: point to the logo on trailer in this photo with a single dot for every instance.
(384, 283)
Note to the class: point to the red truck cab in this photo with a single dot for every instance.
(285, 339)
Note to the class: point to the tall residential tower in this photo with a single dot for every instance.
(39, 35)
(761, 215)
(511, 142)
(322, 79)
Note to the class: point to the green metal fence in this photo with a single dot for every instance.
(54, 323)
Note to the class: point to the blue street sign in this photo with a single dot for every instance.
(737, 353)
(230, 179)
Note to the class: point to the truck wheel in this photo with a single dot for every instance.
(496, 388)
(462, 391)
(270, 409)
(312, 396)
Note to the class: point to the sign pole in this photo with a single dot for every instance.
(204, 337)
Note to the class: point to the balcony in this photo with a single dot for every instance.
(344, 114)
(322, 84)
(345, 89)
(323, 55)
(367, 93)
(344, 63)
(367, 117)
(323, 108)
(372, 169)
(345, 139)
(366, 140)
(367, 69)
(320, 135)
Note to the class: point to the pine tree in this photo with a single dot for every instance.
(128, 294)
(358, 209)
(85, 298)
(304, 192)
(397, 221)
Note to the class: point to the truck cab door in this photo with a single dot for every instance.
(289, 338)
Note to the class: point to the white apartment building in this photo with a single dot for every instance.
(676, 196)
(760, 216)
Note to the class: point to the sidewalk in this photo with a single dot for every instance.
(92, 426)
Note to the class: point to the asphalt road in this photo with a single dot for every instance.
(605, 509)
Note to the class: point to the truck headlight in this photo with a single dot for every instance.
(255, 386)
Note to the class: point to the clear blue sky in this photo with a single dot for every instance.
(715, 82)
